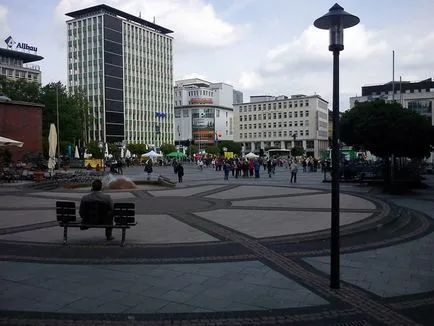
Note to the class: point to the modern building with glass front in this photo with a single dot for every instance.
(282, 122)
(203, 111)
(125, 66)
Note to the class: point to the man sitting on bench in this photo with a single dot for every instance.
(97, 208)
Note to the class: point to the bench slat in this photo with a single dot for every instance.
(96, 226)
(65, 211)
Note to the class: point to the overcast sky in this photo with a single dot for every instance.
(260, 47)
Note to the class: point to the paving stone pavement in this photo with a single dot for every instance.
(381, 286)
(403, 269)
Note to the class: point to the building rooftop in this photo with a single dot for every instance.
(426, 84)
(26, 57)
(271, 98)
(116, 12)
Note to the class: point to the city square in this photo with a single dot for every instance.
(208, 162)
(214, 250)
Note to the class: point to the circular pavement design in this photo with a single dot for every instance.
(190, 224)
(272, 225)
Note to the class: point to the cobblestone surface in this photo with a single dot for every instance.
(192, 295)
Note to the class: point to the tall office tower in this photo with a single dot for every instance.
(124, 65)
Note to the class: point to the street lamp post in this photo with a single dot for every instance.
(294, 136)
(336, 20)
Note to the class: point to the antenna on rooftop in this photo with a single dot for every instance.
(140, 14)
(154, 20)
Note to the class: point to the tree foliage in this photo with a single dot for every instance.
(92, 148)
(297, 151)
(192, 149)
(387, 129)
(167, 148)
(230, 145)
(212, 149)
(114, 150)
(138, 149)
(73, 112)
(20, 90)
(74, 117)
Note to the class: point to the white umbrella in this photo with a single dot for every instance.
(251, 155)
(128, 154)
(122, 152)
(76, 154)
(10, 142)
(52, 145)
(152, 154)
(106, 153)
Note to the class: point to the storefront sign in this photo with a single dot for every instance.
(201, 101)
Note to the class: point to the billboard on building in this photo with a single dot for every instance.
(203, 130)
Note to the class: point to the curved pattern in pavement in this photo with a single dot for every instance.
(242, 243)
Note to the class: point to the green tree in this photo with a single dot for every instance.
(20, 90)
(114, 150)
(92, 148)
(297, 151)
(387, 129)
(192, 149)
(167, 148)
(138, 149)
(212, 149)
(73, 110)
(231, 146)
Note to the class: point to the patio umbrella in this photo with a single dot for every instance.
(76, 154)
(128, 154)
(251, 155)
(52, 145)
(152, 154)
(10, 142)
(106, 152)
(176, 154)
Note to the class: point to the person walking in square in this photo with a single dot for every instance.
(180, 171)
(293, 168)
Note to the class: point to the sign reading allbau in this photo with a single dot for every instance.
(10, 42)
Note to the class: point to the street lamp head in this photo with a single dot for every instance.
(336, 20)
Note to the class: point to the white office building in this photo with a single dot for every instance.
(417, 96)
(283, 122)
(203, 111)
(125, 66)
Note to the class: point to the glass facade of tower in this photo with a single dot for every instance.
(124, 66)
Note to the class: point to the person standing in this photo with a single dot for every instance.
(180, 171)
(226, 169)
(96, 195)
(269, 167)
(148, 168)
(257, 167)
(293, 168)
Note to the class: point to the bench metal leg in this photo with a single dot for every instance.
(65, 235)
(123, 237)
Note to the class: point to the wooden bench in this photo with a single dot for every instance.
(123, 217)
